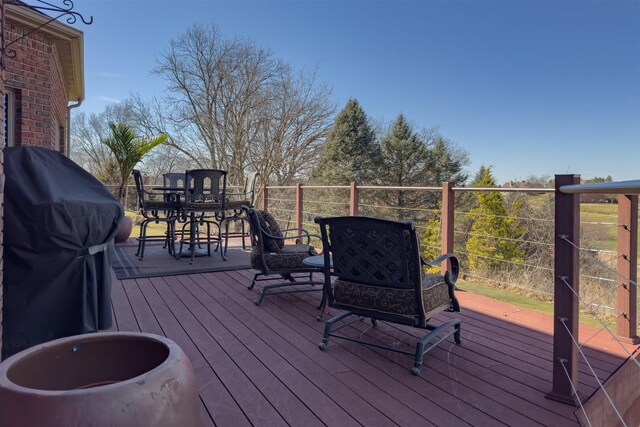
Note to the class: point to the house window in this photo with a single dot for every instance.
(9, 127)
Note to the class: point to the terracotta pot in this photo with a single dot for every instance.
(100, 379)
(125, 226)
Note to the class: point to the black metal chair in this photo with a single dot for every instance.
(155, 208)
(172, 181)
(203, 206)
(271, 256)
(235, 204)
(378, 274)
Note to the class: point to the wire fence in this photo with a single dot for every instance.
(529, 215)
(514, 250)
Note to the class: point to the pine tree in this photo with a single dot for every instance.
(492, 231)
(446, 164)
(404, 163)
(350, 153)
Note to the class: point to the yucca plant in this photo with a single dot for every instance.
(128, 149)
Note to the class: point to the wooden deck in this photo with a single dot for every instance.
(262, 366)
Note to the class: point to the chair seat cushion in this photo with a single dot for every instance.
(402, 301)
(435, 292)
(290, 257)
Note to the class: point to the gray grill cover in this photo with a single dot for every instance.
(58, 223)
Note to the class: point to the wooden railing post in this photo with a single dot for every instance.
(566, 291)
(265, 197)
(353, 200)
(627, 268)
(298, 205)
(447, 221)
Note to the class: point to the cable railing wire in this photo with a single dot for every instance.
(566, 239)
(506, 261)
(502, 238)
(600, 330)
(317, 202)
(503, 216)
(604, 325)
(575, 392)
(593, 372)
(398, 208)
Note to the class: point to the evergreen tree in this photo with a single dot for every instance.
(446, 164)
(492, 231)
(417, 160)
(350, 153)
(404, 163)
(430, 245)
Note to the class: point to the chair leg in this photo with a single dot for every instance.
(420, 346)
(143, 239)
(242, 221)
(226, 236)
(178, 253)
(261, 297)
(226, 239)
(327, 328)
(140, 239)
(253, 282)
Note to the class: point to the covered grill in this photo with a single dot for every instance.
(58, 224)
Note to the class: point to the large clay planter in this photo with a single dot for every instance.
(125, 226)
(101, 379)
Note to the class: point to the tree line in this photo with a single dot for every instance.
(231, 104)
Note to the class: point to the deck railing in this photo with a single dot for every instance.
(567, 279)
(566, 244)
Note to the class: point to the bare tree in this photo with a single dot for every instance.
(86, 133)
(243, 108)
(292, 127)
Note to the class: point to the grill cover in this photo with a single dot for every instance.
(59, 222)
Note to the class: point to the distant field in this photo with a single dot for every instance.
(605, 234)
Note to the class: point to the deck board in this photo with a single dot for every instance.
(261, 365)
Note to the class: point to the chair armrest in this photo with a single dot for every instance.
(450, 276)
(301, 233)
(304, 234)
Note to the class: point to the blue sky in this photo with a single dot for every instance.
(529, 87)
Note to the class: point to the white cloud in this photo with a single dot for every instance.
(105, 99)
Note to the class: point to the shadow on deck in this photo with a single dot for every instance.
(262, 366)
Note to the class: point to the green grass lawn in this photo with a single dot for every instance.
(152, 229)
(606, 235)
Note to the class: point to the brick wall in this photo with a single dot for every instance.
(35, 75)
(2, 75)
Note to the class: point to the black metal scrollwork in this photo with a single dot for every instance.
(60, 12)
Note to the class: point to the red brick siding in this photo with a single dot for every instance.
(36, 76)
(1, 194)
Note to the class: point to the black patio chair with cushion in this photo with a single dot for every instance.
(378, 274)
(272, 257)
(203, 207)
(235, 203)
(155, 208)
